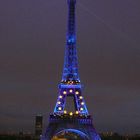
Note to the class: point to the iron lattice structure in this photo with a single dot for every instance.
(70, 84)
(77, 122)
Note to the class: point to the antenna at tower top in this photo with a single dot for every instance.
(71, 1)
(71, 33)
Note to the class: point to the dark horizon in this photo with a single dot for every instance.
(32, 42)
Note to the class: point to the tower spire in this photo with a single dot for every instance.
(71, 34)
(70, 70)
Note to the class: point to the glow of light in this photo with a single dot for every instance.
(65, 112)
(59, 102)
(71, 113)
(77, 112)
(59, 108)
(70, 90)
(82, 103)
(77, 92)
(81, 109)
(81, 97)
(71, 39)
(74, 131)
(64, 92)
(60, 97)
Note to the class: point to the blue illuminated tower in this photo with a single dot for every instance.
(64, 124)
(70, 84)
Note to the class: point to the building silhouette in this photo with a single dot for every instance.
(38, 125)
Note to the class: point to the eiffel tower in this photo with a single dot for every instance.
(77, 125)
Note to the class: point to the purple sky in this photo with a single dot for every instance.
(32, 41)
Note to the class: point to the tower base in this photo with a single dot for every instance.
(68, 127)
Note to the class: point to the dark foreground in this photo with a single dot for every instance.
(32, 137)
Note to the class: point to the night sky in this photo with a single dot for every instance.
(32, 42)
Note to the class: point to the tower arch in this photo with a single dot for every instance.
(70, 134)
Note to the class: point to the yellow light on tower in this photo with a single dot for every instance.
(71, 113)
(77, 112)
(59, 108)
(70, 90)
(64, 92)
(65, 112)
(59, 102)
(77, 92)
(81, 97)
(82, 103)
(60, 97)
(81, 109)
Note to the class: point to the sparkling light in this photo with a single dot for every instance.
(70, 90)
(65, 112)
(81, 97)
(59, 102)
(64, 92)
(59, 108)
(77, 112)
(82, 103)
(81, 109)
(60, 97)
(77, 92)
(71, 113)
